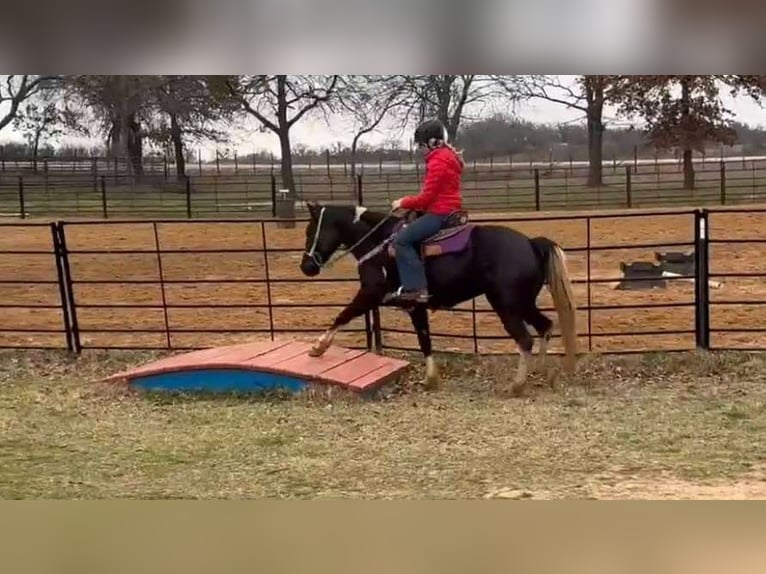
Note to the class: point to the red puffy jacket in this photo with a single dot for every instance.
(440, 194)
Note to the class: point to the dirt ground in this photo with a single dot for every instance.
(217, 289)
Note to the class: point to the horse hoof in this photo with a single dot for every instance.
(432, 375)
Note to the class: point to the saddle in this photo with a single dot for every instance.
(453, 237)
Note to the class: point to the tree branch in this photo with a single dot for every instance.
(318, 100)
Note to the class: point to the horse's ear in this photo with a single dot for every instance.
(313, 208)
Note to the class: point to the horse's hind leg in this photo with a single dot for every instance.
(514, 326)
(542, 325)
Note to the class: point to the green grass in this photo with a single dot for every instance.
(636, 425)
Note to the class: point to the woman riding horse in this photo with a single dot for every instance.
(439, 197)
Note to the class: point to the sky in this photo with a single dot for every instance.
(314, 132)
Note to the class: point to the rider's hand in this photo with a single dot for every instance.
(396, 204)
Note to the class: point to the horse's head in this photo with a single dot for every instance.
(326, 231)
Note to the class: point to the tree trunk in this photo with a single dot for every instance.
(123, 144)
(594, 91)
(689, 182)
(288, 178)
(36, 148)
(595, 152)
(354, 147)
(135, 148)
(686, 127)
(115, 138)
(178, 148)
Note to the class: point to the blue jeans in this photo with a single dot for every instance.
(412, 272)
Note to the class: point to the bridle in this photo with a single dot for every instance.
(311, 253)
(317, 258)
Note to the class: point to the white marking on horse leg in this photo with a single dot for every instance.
(520, 382)
(432, 374)
(323, 343)
(542, 359)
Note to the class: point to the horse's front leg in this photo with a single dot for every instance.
(419, 317)
(366, 299)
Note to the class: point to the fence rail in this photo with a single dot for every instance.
(172, 285)
(562, 187)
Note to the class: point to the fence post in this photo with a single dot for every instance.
(188, 198)
(62, 286)
(628, 187)
(69, 284)
(103, 198)
(22, 207)
(537, 189)
(264, 243)
(701, 280)
(723, 182)
(158, 252)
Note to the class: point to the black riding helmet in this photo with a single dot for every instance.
(430, 132)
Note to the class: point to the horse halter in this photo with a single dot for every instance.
(311, 253)
(317, 258)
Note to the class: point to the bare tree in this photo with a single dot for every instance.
(369, 100)
(122, 108)
(15, 90)
(589, 95)
(44, 115)
(280, 102)
(445, 97)
(184, 108)
(686, 120)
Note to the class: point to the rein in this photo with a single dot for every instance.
(340, 255)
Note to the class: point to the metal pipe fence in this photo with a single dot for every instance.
(169, 284)
(516, 189)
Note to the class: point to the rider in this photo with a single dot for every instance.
(439, 197)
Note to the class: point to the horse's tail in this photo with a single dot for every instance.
(560, 287)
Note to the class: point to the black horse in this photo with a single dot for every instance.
(463, 261)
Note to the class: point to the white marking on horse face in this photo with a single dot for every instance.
(358, 211)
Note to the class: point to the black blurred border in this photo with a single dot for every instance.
(398, 36)
(271, 537)
(268, 537)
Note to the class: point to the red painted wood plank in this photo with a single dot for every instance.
(355, 368)
(195, 358)
(378, 377)
(237, 355)
(307, 366)
(275, 360)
